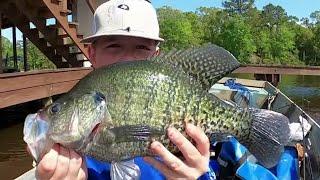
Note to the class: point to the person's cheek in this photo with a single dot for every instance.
(104, 58)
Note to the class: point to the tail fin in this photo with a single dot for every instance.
(268, 135)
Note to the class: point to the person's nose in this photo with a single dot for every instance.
(128, 54)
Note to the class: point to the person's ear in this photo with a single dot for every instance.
(157, 52)
(92, 55)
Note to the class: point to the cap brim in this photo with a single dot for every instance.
(92, 38)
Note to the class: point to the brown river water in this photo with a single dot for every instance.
(14, 160)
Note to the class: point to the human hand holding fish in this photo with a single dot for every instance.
(61, 163)
(196, 158)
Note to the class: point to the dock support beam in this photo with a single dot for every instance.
(25, 54)
(274, 79)
(92, 5)
(1, 62)
(74, 11)
(14, 41)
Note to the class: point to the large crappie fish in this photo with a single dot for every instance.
(115, 112)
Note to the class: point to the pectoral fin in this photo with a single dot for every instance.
(135, 133)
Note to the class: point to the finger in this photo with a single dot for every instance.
(201, 139)
(48, 163)
(62, 164)
(74, 165)
(189, 151)
(161, 167)
(83, 172)
(28, 150)
(171, 161)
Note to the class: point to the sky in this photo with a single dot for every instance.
(299, 8)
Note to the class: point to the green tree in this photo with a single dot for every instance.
(213, 20)
(315, 16)
(260, 35)
(6, 47)
(7, 52)
(175, 29)
(253, 36)
(36, 59)
(237, 38)
(283, 46)
(197, 27)
(273, 16)
(238, 6)
(263, 44)
(304, 43)
(316, 46)
(305, 21)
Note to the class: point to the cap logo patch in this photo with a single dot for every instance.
(124, 7)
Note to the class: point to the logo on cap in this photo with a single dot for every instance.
(124, 7)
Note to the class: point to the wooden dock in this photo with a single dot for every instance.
(16, 88)
(276, 69)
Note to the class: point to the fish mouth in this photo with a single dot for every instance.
(95, 130)
(42, 115)
(83, 142)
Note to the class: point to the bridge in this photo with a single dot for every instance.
(22, 87)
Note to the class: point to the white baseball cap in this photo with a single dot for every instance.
(127, 18)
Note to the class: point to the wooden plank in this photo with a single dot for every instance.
(22, 87)
(22, 23)
(92, 5)
(14, 46)
(25, 54)
(74, 9)
(27, 11)
(15, 81)
(54, 8)
(1, 62)
(290, 70)
(10, 98)
(44, 71)
(64, 4)
(5, 22)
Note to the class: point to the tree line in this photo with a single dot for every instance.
(36, 59)
(267, 36)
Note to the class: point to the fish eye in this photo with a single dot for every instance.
(99, 97)
(55, 108)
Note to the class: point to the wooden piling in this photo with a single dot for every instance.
(274, 79)
(1, 61)
(92, 5)
(14, 41)
(25, 54)
(74, 11)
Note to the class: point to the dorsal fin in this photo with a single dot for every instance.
(207, 63)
